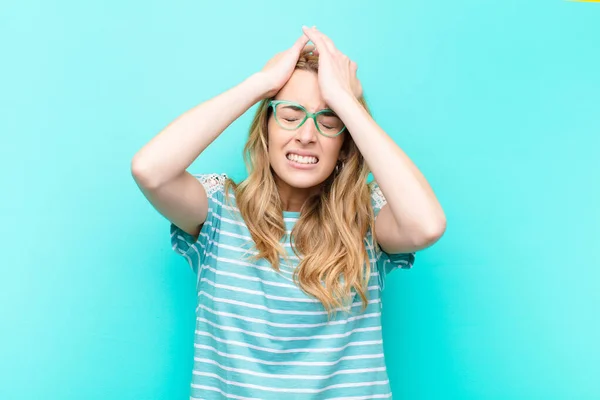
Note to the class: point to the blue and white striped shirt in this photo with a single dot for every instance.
(258, 336)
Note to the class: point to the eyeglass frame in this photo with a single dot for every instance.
(308, 114)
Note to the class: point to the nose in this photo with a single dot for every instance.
(307, 133)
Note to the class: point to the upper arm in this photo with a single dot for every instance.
(398, 239)
(393, 250)
(182, 200)
(391, 237)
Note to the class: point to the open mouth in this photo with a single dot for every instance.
(306, 160)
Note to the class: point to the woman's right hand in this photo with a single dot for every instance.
(278, 70)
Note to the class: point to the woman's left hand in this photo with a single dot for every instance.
(337, 73)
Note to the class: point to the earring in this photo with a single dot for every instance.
(338, 167)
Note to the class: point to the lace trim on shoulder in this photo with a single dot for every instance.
(212, 182)
(377, 195)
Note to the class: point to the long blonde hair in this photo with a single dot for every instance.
(329, 236)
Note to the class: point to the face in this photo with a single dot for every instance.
(286, 145)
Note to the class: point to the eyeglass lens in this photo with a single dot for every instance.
(290, 117)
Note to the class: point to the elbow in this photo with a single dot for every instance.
(435, 231)
(140, 172)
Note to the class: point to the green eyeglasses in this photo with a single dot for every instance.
(291, 116)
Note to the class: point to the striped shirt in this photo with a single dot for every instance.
(258, 336)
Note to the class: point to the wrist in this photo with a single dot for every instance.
(341, 101)
(260, 85)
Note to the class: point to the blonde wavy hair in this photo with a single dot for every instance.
(329, 236)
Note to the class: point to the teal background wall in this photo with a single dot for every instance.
(497, 102)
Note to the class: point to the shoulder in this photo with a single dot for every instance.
(213, 183)
(377, 197)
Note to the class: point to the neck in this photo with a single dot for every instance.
(293, 198)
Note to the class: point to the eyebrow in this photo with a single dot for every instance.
(291, 106)
(296, 108)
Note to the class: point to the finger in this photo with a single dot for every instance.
(325, 39)
(301, 42)
(315, 38)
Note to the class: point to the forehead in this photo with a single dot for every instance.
(303, 88)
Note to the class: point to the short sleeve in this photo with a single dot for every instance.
(195, 250)
(387, 262)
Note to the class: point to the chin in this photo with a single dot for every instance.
(301, 182)
(301, 179)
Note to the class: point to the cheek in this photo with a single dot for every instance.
(333, 150)
(272, 139)
(275, 143)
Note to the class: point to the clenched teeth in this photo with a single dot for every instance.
(302, 159)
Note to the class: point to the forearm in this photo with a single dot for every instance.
(408, 194)
(175, 148)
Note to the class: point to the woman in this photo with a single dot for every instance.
(289, 271)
